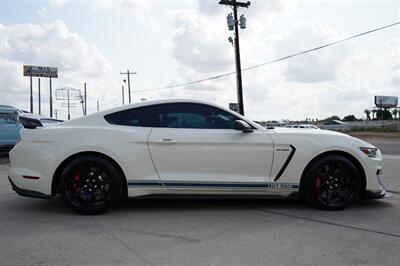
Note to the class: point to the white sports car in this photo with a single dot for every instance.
(189, 147)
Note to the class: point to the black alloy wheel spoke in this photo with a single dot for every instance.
(83, 170)
(106, 181)
(331, 170)
(336, 184)
(92, 186)
(98, 169)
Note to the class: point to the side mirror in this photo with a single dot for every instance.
(242, 126)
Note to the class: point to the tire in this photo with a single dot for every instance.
(90, 185)
(331, 183)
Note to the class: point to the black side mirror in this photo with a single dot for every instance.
(242, 126)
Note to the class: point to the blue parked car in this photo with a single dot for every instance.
(9, 127)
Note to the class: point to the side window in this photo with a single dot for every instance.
(137, 117)
(8, 119)
(189, 115)
(174, 115)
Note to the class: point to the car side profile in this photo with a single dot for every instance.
(303, 126)
(189, 147)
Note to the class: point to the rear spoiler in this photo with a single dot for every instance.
(31, 123)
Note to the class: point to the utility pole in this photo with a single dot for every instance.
(40, 108)
(51, 100)
(98, 108)
(85, 98)
(69, 106)
(68, 94)
(123, 95)
(31, 98)
(129, 82)
(233, 24)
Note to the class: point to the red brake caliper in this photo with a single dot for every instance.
(76, 177)
(317, 181)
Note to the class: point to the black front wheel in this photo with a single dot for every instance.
(90, 185)
(331, 183)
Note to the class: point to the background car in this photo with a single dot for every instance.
(303, 126)
(334, 122)
(44, 121)
(9, 127)
(10, 124)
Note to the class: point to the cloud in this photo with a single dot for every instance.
(140, 5)
(318, 66)
(57, 3)
(141, 10)
(55, 45)
(341, 79)
(337, 80)
(198, 46)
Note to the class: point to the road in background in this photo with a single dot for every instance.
(387, 146)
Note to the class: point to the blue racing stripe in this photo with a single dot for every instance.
(227, 185)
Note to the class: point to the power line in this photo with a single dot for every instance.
(323, 46)
(265, 63)
(272, 61)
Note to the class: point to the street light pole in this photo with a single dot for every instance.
(235, 5)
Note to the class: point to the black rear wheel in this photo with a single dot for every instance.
(331, 183)
(90, 185)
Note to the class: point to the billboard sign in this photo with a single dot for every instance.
(386, 101)
(40, 71)
(234, 107)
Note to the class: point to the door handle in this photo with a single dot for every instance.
(166, 141)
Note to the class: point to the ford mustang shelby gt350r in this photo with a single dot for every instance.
(189, 147)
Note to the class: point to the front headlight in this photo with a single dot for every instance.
(370, 152)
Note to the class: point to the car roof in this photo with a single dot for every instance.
(8, 109)
(95, 116)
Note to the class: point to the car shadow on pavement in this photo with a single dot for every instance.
(4, 158)
(15, 203)
(205, 204)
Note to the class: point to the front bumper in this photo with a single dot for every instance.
(372, 194)
(28, 193)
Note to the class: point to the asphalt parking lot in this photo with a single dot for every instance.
(203, 231)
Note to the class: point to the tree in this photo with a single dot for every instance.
(368, 112)
(384, 114)
(349, 118)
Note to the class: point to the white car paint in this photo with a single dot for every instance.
(188, 161)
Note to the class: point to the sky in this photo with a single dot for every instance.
(176, 41)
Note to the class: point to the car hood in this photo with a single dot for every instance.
(321, 134)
